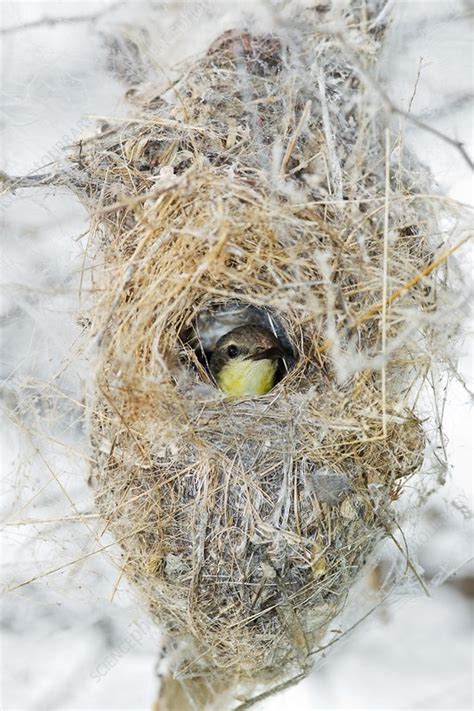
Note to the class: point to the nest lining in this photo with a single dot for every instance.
(246, 522)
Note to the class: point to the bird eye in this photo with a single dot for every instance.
(232, 350)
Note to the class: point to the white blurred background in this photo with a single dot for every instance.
(74, 636)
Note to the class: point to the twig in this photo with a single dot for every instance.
(391, 107)
(274, 690)
(335, 166)
(412, 282)
(380, 19)
(409, 562)
(129, 202)
(384, 282)
(10, 183)
(352, 627)
(42, 521)
(376, 308)
(459, 145)
(458, 102)
(53, 21)
(58, 568)
(294, 138)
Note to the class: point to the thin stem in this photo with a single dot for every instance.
(384, 282)
(53, 21)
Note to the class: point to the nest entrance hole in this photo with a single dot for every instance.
(215, 321)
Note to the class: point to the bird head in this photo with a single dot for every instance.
(245, 361)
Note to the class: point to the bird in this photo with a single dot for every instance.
(244, 362)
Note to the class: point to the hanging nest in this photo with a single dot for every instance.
(260, 188)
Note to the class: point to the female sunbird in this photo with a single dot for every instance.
(245, 361)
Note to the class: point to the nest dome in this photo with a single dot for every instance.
(254, 191)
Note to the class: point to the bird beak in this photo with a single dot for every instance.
(268, 354)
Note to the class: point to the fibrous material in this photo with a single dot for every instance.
(261, 187)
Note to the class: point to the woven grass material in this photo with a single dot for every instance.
(245, 523)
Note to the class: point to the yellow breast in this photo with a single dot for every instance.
(247, 378)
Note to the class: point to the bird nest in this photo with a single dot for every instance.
(260, 188)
